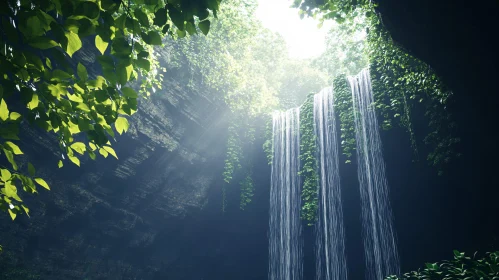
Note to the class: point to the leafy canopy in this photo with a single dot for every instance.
(46, 82)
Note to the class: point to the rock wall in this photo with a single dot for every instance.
(98, 219)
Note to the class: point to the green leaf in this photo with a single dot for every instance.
(87, 9)
(6, 175)
(48, 63)
(106, 62)
(103, 152)
(121, 125)
(142, 17)
(74, 43)
(42, 183)
(10, 158)
(99, 82)
(176, 17)
(204, 26)
(13, 147)
(143, 63)
(34, 101)
(4, 110)
(14, 116)
(129, 92)
(143, 54)
(181, 33)
(74, 160)
(154, 38)
(57, 90)
(83, 107)
(190, 28)
(124, 73)
(78, 147)
(100, 44)
(101, 95)
(82, 72)
(121, 47)
(31, 169)
(129, 70)
(60, 164)
(26, 210)
(43, 43)
(59, 75)
(12, 215)
(10, 190)
(111, 151)
(92, 146)
(34, 60)
(74, 98)
(132, 25)
(120, 21)
(160, 17)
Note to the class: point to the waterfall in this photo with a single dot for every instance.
(330, 238)
(378, 233)
(285, 240)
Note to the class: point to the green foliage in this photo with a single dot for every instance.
(344, 108)
(42, 77)
(338, 10)
(308, 151)
(241, 138)
(346, 50)
(237, 61)
(234, 152)
(300, 77)
(247, 66)
(267, 145)
(400, 82)
(247, 191)
(461, 267)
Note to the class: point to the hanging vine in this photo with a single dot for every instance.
(247, 190)
(401, 81)
(267, 145)
(239, 160)
(344, 109)
(234, 152)
(308, 172)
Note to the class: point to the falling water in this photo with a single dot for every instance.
(285, 248)
(379, 236)
(330, 241)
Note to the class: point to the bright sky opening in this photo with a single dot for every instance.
(303, 37)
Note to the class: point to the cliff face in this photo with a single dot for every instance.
(97, 219)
